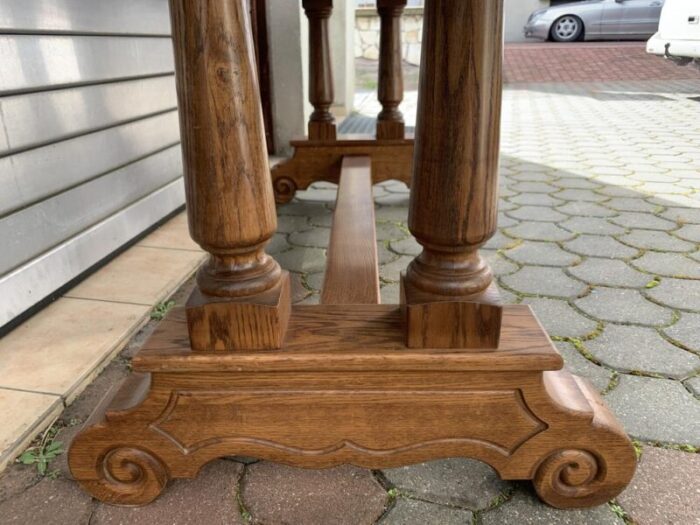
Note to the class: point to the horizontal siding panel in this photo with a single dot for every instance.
(34, 230)
(145, 17)
(29, 284)
(31, 119)
(39, 173)
(35, 62)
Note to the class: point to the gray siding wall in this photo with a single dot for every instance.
(89, 137)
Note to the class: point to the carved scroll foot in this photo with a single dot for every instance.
(593, 467)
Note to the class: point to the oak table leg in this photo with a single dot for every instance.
(390, 123)
(450, 300)
(322, 121)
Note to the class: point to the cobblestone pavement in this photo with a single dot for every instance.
(599, 232)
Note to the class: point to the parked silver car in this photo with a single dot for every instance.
(596, 20)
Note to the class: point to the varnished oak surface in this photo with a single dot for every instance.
(352, 267)
(350, 337)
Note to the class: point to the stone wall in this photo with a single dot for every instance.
(367, 34)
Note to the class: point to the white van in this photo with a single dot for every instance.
(678, 37)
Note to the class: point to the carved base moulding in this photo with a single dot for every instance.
(321, 161)
(345, 389)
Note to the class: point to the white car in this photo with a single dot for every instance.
(678, 37)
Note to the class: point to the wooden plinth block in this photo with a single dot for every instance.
(322, 130)
(322, 160)
(471, 322)
(223, 323)
(390, 129)
(346, 390)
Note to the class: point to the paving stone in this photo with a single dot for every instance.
(682, 215)
(580, 195)
(325, 221)
(665, 488)
(293, 223)
(49, 502)
(525, 509)
(694, 386)
(600, 246)
(539, 231)
(678, 293)
(541, 253)
(579, 183)
(536, 199)
(544, 280)
(656, 409)
(533, 187)
(508, 297)
(504, 205)
(414, 512)
(277, 244)
(407, 246)
(593, 225)
(302, 260)
(630, 204)
(668, 265)
(689, 232)
(579, 365)
(391, 213)
(393, 199)
(277, 494)
(209, 498)
(387, 231)
(645, 221)
(499, 264)
(384, 254)
(506, 222)
(537, 213)
(500, 241)
(459, 482)
(315, 280)
(392, 271)
(305, 209)
(390, 293)
(586, 209)
(657, 240)
(623, 306)
(686, 331)
(637, 349)
(560, 319)
(316, 195)
(609, 272)
(17, 479)
(314, 238)
(620, 191)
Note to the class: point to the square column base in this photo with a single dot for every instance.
(472, 321)
(257, 322)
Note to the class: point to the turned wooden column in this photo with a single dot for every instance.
(322, 121)
(242, 296)
(450, 299)
(390, 123)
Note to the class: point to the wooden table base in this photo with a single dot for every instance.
(345, 389)
(316, 160)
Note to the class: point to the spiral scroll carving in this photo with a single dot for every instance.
(568, 477)
(131, 476)
(285, 188)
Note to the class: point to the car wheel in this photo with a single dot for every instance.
(567, 28)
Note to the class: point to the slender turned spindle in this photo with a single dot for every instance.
(230, 202)
(390, 123)
(322, 121)
(453, 207)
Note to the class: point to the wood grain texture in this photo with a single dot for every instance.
(352, 337)
(321, 161)
(322, 122)
(390, 123)
(382, 409)
(453, 205)
(352, 263)
(229, 194)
